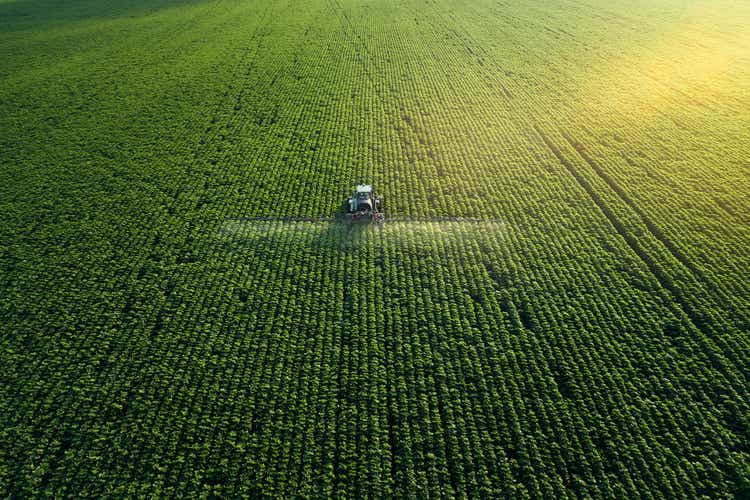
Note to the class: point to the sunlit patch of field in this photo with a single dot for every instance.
(698, 62)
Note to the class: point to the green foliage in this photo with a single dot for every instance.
(588, 337)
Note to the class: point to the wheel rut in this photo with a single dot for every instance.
(655, 231)
(681, 307)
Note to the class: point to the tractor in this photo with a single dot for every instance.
(364, 206)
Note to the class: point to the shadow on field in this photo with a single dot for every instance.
(32, 15)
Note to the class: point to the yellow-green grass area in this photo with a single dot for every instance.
(558, 304)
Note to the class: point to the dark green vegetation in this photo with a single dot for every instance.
(594, 343)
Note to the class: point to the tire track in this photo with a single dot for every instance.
(681, 307)
(657, 233)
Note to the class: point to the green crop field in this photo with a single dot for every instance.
(557, 305)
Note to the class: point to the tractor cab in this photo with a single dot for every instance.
(364, 204)
(362, 199)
